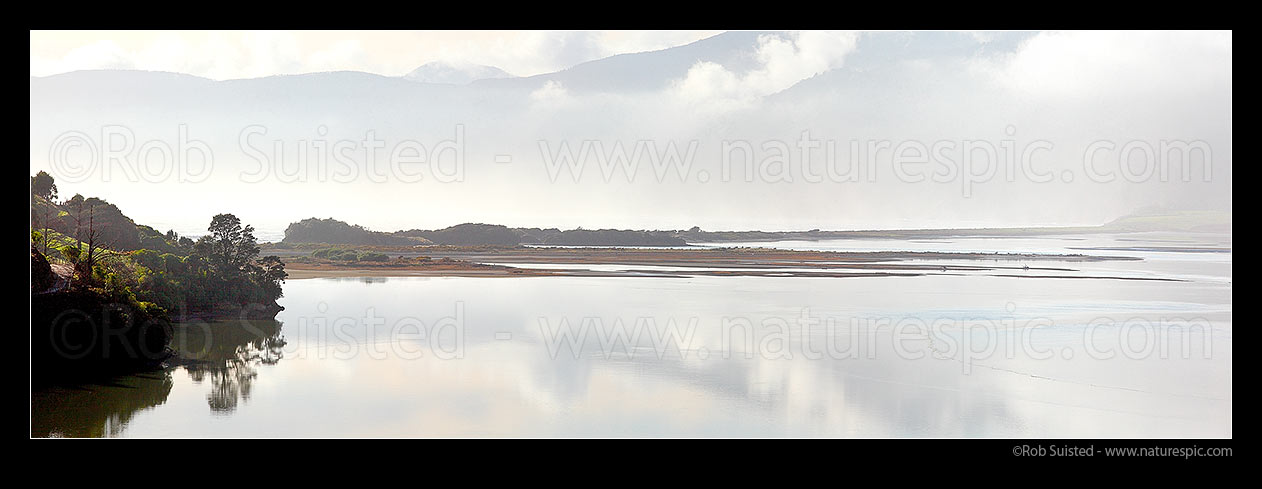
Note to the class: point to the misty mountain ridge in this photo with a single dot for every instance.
(442, 84)
(629, 72)
(759, 87)
(454, 73)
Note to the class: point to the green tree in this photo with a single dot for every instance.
(271, 274)
(231, 246)
(91, 238)
(42, 185)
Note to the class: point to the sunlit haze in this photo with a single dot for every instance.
(787, 130)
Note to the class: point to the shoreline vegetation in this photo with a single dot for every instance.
(328, 248)
(95, 273)
(330, 231)
(105, 291)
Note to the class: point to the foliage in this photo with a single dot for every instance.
(42, 277)
(341, 254)
(42, 185)
(111, 227)
(151, 239)
(221, 269)
(332, 231)
(470, 234)
(125, 281)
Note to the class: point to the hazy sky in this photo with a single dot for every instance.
(223, 55)
(1051, 96)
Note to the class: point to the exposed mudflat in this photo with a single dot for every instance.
(451, 261)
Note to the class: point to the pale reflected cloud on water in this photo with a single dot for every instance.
(1109, 359)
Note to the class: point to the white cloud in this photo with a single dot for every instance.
(550, 94)
(783, 62)
(1112, 63)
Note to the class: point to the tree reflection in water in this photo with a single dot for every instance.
(96, 410)
(228, 354)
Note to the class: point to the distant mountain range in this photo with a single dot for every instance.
(454, 73)
(435, 95)
(755, 87)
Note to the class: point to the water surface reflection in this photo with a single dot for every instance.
(344, 376)
(226, 356)
(96, 410)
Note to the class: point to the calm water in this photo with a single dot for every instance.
(932, 356)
